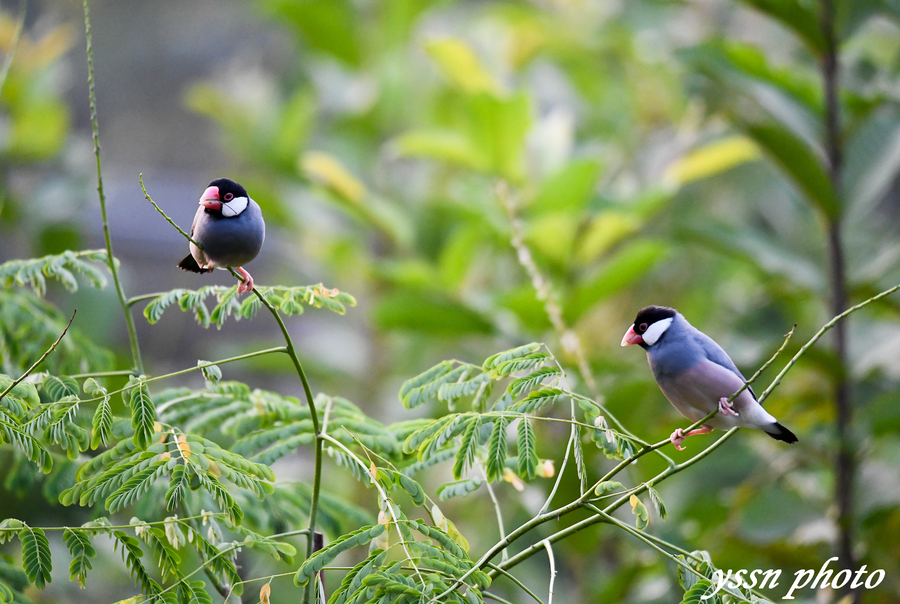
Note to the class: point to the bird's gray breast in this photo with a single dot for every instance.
(231, 241)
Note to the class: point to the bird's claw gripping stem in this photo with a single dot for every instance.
(726, 408)
(247, 284)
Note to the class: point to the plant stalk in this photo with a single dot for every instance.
(845, 458)
(110, 258)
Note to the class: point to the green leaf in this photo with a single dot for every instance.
(498, 128)
(465, 456)
(528, 458)
(711, 159)
(520, 386)
(135, 487)
(570, 189)
(496, 460)
(418, 390)
(796, 16)
(695, 594)
(608, 486)
(412, 488)
(329, 27)
(524, 363)
(628, 265)
(641, 517)
(324, 556)
(101, 424)
(498, 359)
(657, 503)
(459, 488)
(35, 556)
(462, 388)
(446, 146)
(82, 550)
(59, 387)
(143, 416)
(800, 163)
(153, 312)
(211, 373)
(537, 400)
(429, 313)
(460, 65)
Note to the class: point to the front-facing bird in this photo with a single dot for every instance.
(230, 229)
(697, 376)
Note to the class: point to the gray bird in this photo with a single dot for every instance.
(229, 227)
(697, 376)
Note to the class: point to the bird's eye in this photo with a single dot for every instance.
(228, 196)
(642, 327)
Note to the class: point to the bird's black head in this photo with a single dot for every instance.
(649, 325)
(226, 197)
(228, 189)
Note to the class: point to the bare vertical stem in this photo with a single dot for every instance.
(845, 460)
(110, 259)
(570, 341)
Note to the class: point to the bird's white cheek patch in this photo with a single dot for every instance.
(655, 331)
(235, 207)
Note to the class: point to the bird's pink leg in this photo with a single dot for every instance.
(247, 284)
(725, 408)
(679, 435)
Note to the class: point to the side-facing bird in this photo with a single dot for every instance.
(229, 227)
(697, 376)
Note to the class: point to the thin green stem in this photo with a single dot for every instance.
(512, 578)
(110, 258)
(652, 543)
(119, 527)
(291, 352)
(40, 360)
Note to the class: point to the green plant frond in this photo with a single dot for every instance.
(288, 300)
(35, 555)
(131, 556)
(458, 488)
(82, 550)
(527, 445)
(352, 581)
(143, 415)
(424, 387)
(29, 325)
(496, 459)
(495, 360)
(324, 556)
(167, 559)
(61, 267)
(537, 400)
(192, 592)
(520, 386)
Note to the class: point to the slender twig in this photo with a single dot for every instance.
(119, 527)
(652, 543)
(497, 510)
(225, 551)
(845, 459)
(568, 338)
(40, 360)
(513, 578)
(552, 562)
(110, 258)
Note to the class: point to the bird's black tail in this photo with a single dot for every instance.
(779, 432)
(189, 264)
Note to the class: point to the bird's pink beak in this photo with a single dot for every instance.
(210, 199)
(631, 337)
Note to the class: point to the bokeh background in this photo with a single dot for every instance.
(664, 152)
